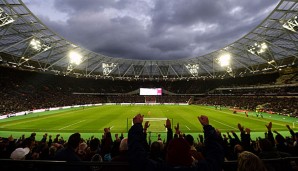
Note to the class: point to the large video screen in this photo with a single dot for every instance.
(151, 91)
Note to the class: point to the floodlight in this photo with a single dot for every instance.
(264, 46)
(258, 48)
(75, 58)
(224, 60)
(38, 46)
(35, 44)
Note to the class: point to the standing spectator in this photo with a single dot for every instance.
(69, 152)
(248, 161)
(193, 151)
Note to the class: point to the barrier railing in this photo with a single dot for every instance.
(280, 164)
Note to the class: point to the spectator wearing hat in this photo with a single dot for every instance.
(23, 151)
(20, 153)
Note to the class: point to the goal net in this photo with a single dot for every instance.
(156, 124)
(150, 99)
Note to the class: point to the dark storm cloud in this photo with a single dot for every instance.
(78, 6)
(157, 29)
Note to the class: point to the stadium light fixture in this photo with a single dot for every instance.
(258, 48)
(224, 60)
(35, 44)
(5, 19)
(261, 49)
(75, 58)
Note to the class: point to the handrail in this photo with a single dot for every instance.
(279, 163)
(59, 163)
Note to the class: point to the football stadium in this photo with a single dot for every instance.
(66, 107)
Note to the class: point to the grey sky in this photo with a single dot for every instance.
(152, 29)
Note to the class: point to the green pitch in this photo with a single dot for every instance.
(92, 120)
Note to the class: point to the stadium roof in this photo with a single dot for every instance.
(26, 43)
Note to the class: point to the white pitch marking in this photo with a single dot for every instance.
(224, 124)
(111, 127)
(187, 127)
(71, 124)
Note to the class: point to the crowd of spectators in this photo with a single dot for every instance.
(148, 99)
(257, 91)
(26, 90)
(271, 104)
(177, 151)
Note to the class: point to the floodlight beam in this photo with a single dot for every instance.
(224, 60)
(75, 58)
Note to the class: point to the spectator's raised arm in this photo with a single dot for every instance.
(214, 152)
(137, 145)
(177, 130)
(146, 126)
(169, 131)
(291, 132)
(270, 134)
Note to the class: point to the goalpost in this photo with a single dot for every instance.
(150, 99)
(294, 124)
(156, 124)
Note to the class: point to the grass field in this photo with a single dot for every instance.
(92, 120)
